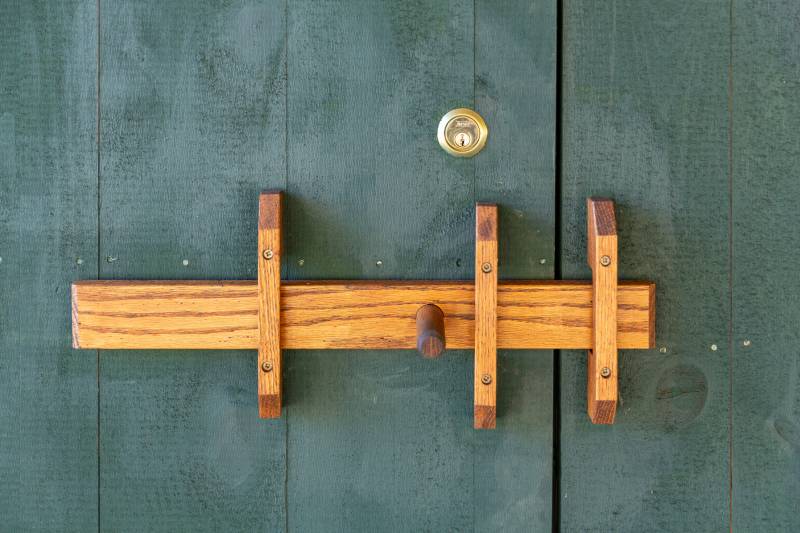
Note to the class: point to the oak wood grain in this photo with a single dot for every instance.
(602, 252)
(345, 314)
(485, 369)
(269, 304)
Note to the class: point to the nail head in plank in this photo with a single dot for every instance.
(485, 376)
(602, 361)
(269, 304)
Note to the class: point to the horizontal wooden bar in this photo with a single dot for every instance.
(345, 314)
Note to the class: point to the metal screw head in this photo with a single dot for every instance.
(486, 267)
(746, 342)
(268, 254)
(605, 372)
(486, 379)
(605, 260)
(266, 366)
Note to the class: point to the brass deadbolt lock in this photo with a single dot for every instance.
(462, 132)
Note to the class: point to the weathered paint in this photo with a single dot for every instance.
(384, 441)
(192, 122)
(645, 121)
(685, 113)
(48, 237)
(766, 286)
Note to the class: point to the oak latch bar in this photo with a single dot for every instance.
(484, 314)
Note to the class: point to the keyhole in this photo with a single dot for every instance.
(463, 139)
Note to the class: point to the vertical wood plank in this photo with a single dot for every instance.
(601, 372)
(645, 121)
(192, 129)
(378, 441)
(485, 374)
(48, 237)
(515, 92)
(766, 285)
(269, 304)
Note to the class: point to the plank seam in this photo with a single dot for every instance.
(730, 265)
(97, 149)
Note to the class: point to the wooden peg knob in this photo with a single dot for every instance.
(430, 331)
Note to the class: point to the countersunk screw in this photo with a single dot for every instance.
(605, 372)
(746, 342)
(486, 267)
(266, 366)
(605, 260)
(268, 254)
(486, 379)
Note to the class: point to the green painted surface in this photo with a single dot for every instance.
(48, 237)
(377, 440)
(645, 121)
(192, 122)
(200, 108)
(685, 113)
(766, 287)
(384, 440)
(515, 52)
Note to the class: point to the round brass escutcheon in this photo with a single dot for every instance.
(462, 132)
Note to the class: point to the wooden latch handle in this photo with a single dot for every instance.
(602, 367)
(430, 331)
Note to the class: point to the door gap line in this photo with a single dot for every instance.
(557, 272)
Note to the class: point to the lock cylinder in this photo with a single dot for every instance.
(462, 132)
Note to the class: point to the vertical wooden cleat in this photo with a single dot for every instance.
(485, 399)
(602, 367)
(269, 304)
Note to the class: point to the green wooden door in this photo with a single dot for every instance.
(136, 135)
(176, 114)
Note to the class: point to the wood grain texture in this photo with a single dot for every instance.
(766, 286)
(48, 237)
(344, 314)
(485, 318)
(269, 304)
(601, 373)
(645, 121)
(192, 129)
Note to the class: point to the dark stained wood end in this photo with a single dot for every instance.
(269, 209)
(603, 412)
(603, 221)
(486, 226)
(269, 406)
(485, 417)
